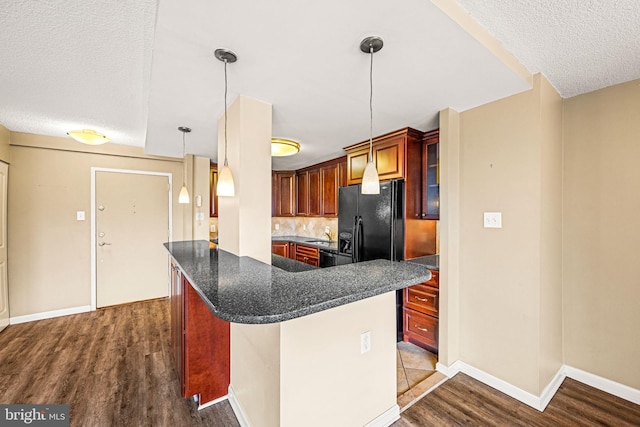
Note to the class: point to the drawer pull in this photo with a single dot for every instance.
(421, 299)
(422, 329)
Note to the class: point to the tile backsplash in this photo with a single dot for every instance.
(304, 226)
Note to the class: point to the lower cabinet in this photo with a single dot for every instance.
(308, 255)
(200, 343)
(280, 248)
(420, 313)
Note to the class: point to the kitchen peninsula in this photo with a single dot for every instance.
(336, 329)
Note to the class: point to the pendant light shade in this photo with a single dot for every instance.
(183, 197)
(88, 136)
(226, 186)
(370, 179)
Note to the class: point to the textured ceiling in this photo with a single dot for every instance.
(579, 45)
(137, 69)
(71, 64)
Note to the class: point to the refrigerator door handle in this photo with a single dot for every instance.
(358, 238)
(354, 240)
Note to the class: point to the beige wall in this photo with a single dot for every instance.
(601, 233)
(5, 139)
(325, 380)
(49, 250)
(510, 157)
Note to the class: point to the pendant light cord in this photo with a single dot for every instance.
(226, 163)
(371, 105)
(184, 174)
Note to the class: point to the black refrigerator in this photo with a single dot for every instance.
(371, 226)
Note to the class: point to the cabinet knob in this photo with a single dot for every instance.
(423, 215)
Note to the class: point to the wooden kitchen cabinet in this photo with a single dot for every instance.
(213, 193)
(423, 177)
(389, 155)
(317, 188)
(200, 343)
(283, 193)
(431, 175)
(308, 254)
(280, 248)
(420, 313)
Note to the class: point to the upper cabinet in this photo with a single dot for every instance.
(283, 194)
(318, 188)
(311, 191)
(213, 196)
(431, 175)
(389, 154)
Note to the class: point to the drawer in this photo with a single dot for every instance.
(421, 327)
(309, 251)
(435, 279)
(422, 298)
(308, 260)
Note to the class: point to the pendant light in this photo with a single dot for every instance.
(184, 193)
(370, 180)
(226, 187)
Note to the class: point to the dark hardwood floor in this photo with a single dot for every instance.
(113, 366)
(465, 401)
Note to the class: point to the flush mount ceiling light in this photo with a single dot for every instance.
(370, 180)
(88, 136)
(281, 147)
(184, 193)
(226, 186)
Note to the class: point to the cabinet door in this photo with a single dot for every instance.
(280, 248)
(302, 185)
(388, 156)
(177, 322)
(342, 173)
(213, 196)
(431, 176)
(314, 192)
(206, 349)
(283, 194)
(329, 178)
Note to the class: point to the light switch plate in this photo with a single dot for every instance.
(199, 216)
(365, 342)
(493, 220)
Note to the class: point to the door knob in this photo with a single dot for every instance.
(103, 243)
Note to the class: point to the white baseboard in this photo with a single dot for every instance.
(49, 314)
(540, 402)
(620, 390)
(536, 402)
(387, 418)
(237, 409)
(212, 402)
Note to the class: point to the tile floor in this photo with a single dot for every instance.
(416, 373)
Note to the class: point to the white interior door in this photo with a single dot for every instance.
(4, 284)
(132, 223)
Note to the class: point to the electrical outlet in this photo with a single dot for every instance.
(365, 342)
(304, 226)
(493, 220)
(327, 229)
(80, 215)
(277, 226)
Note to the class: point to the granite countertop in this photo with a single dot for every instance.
(316, 242)
(244, 290)
(431, 261)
